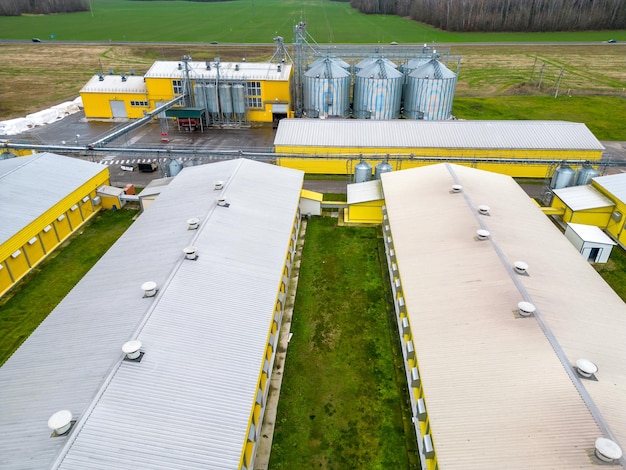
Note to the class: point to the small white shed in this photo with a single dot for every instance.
(590, 241)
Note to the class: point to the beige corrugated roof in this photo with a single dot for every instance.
(364, 192)
(500, 390)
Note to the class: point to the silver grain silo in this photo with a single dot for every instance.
(173, 167)
(327, 90)
(429, 92)
(382, 167)
(362, 172)
(335, 60)
(563, 177)
(377, 92)
(585, 174)
(199, 96)
(369, 61)
(226, 101)
(239, 100)
(212, 100)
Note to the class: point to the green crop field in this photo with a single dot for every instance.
(250, 21)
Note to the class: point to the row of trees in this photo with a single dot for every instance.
(505, 15)
(41, 7)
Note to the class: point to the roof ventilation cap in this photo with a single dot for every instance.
(149, 288)
(190, 252)
(520, 267)
(483, 234)
(193, 223)
(457, 188)
(60, 422)
(586, 368)
(221, 201)
(218, 185)
(132, 349)
(526, 309)
(483, 209)
(607, 450)
(236, 67)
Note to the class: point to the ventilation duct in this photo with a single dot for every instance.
(483, 209)
(457, 188)
(221, 201)
(60, 422)
(526, 309)
(132, 349)
(585, 368)
(520, 267)
(149, 288)
(607, 450)
(483, 234)
(218, 185)
(192, 223)
(190, 252)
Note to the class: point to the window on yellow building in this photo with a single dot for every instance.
(142, 104)
(178, 87)
(254, 94)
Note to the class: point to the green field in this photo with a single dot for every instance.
(250, 21)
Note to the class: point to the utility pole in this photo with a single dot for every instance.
(558, 82)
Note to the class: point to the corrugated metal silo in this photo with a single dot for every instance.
(382, 167)
(199, 96)
(239, 100)
(585, 174)
(429, 92)
(226, 101)
(377, 92)
(369, 61)
(362, 172)
(213, 104)
(335, 60)
(327, 90)
(563, 177)
(173, 167)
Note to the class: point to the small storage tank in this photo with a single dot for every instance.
(199, 96)
(377, 92)
(563, 177)
(382, 167)
(429, 92)
(212, 101)
(585, 174)
(226, 101)
(362, 172)
(173, 167)
(7, 155)
(239, 100)
(327, 90)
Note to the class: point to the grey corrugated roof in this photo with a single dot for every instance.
(499, 393)
(187, 404)
(615, 184)
(227, 70)
(591, 233)
(538, 135)
(115, 84)
(32, 185)
(364, 192)
(583, 197)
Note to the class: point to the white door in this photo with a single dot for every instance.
(118, 109)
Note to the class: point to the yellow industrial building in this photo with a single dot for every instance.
(228, 91)
(44, 198)
(601, 203)
(365, 203)
(335, 146)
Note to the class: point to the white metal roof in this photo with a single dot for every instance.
(404, 133)
(591, 233)
(186, 405)
(364, 192)
(115, 84)
(615, 184)
(32, 185)
(583, 197)
(225, 71)
(500, 390)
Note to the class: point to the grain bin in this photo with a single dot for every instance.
(226, 101)
(239, 100)
(327, 90)
(563, 177)
(212, 100)
(585, 174)
(429, 92)
(335, 60)
(382, 167)
(369, 61)
(377, 92)
(199, 96)
(362, 172)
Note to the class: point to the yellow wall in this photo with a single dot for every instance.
(615, 227)
(366, 212)
(599, 216)
(312, 159)
(97, 105)
(39, 238)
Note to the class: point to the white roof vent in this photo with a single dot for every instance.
(483, 234)
(483, 209)
(526, 309)
(193, 223)
(132, 349)
(457, 188)
(149, 288)
(221, 201)
(607, 450)
(218, 185)
(190, 252)
(586, 368)
(60, 422)
(520, 267)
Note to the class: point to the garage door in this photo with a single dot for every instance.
(118, 109)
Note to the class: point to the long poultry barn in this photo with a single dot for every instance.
(528, 149)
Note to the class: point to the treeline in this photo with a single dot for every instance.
(505, 15)
(41, 7)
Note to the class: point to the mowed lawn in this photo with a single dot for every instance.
(250, 21)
